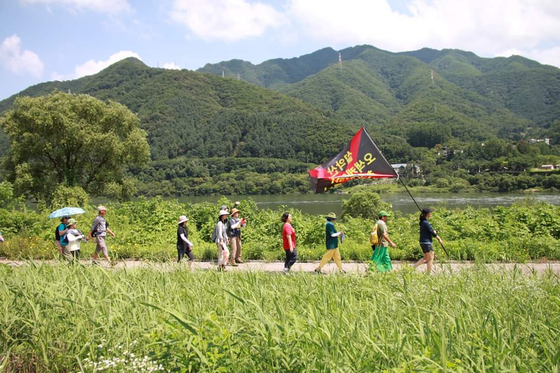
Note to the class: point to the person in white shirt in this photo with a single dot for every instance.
(75, 237)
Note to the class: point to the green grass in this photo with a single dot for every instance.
(65, 318)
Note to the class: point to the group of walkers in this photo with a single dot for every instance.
(68, 237)
(227, 232)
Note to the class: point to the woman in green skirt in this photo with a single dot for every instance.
(380, 258)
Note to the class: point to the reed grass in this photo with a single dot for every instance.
(59, 318)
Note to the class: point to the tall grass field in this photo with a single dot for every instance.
(61, 318)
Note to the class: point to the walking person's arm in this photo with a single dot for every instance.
(111, 232)
(289, 237)
(186, 240)
(386, 238)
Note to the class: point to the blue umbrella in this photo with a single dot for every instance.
(66, 211)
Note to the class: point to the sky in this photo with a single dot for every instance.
(44, 40)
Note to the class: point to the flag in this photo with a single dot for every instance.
(360, 159)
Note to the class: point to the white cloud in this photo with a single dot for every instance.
(57, 76)
(485, 27)
(549, 56)
(93, 67)
(228, 20)
(19, 62)
(102, 6)
(171, 66)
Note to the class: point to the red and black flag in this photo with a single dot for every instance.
(360, 159)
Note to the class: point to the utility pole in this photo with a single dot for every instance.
(223, 74)
(432, 77)
(340, 60)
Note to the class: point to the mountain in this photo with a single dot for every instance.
(473, 97)
(200, 115)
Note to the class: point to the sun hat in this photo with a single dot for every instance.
(182, 219)
(331, 215)
(237, 203)
(383, 213)
(223, 207)
(234, 211)
(72, 222)
(101, 208)
(223, 212)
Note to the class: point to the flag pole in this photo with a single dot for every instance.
(405, 187)
(416, 203)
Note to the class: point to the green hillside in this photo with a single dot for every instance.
(200, 115)
(477, 97)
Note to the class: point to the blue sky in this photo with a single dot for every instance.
(43, 40)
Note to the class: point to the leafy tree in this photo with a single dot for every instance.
(71, 140)
(364, 204)
(69, 196)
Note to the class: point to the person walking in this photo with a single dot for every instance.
(426, 235)
(234, 234)
(1, 238)
(331, 236)
(75, 237)
(184, 246)
(289, 242)
(99, 230)
(380, 258)
(219, 236)
(59, 233)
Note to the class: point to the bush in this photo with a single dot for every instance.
(364, 204)
(69, 196)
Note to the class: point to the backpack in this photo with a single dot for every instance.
(64, 241)
(215, 233)
(373, 237)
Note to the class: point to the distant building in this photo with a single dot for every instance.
(547, 167)
(400, 167)
(535, 141)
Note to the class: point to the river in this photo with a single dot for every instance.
(325, 203)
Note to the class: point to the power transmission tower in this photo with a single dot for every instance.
(340, 60)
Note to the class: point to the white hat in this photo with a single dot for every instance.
(101, 208)
(182, 219)
(223, 212)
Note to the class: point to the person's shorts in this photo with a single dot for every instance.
(101, 246)
(426, 247)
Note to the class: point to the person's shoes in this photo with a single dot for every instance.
(318, 271)
(95, 262)
(286, 271)
(233, 264)
(238, 261)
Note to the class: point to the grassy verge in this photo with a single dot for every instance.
(63, 318)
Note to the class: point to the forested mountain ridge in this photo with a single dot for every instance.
(200, 115)
(484, 97)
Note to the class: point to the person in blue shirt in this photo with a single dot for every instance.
(426, 235)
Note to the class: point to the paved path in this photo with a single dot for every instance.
(356, 267)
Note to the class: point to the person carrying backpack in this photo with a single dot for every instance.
(219, 236)
(234, 234)
(380, 258)
(99, 230)
(59, 238)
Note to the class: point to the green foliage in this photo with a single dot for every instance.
(69, 196)
(72, 140)
(168, 318)
(7, 197)
(147, 229)
(365, 205)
